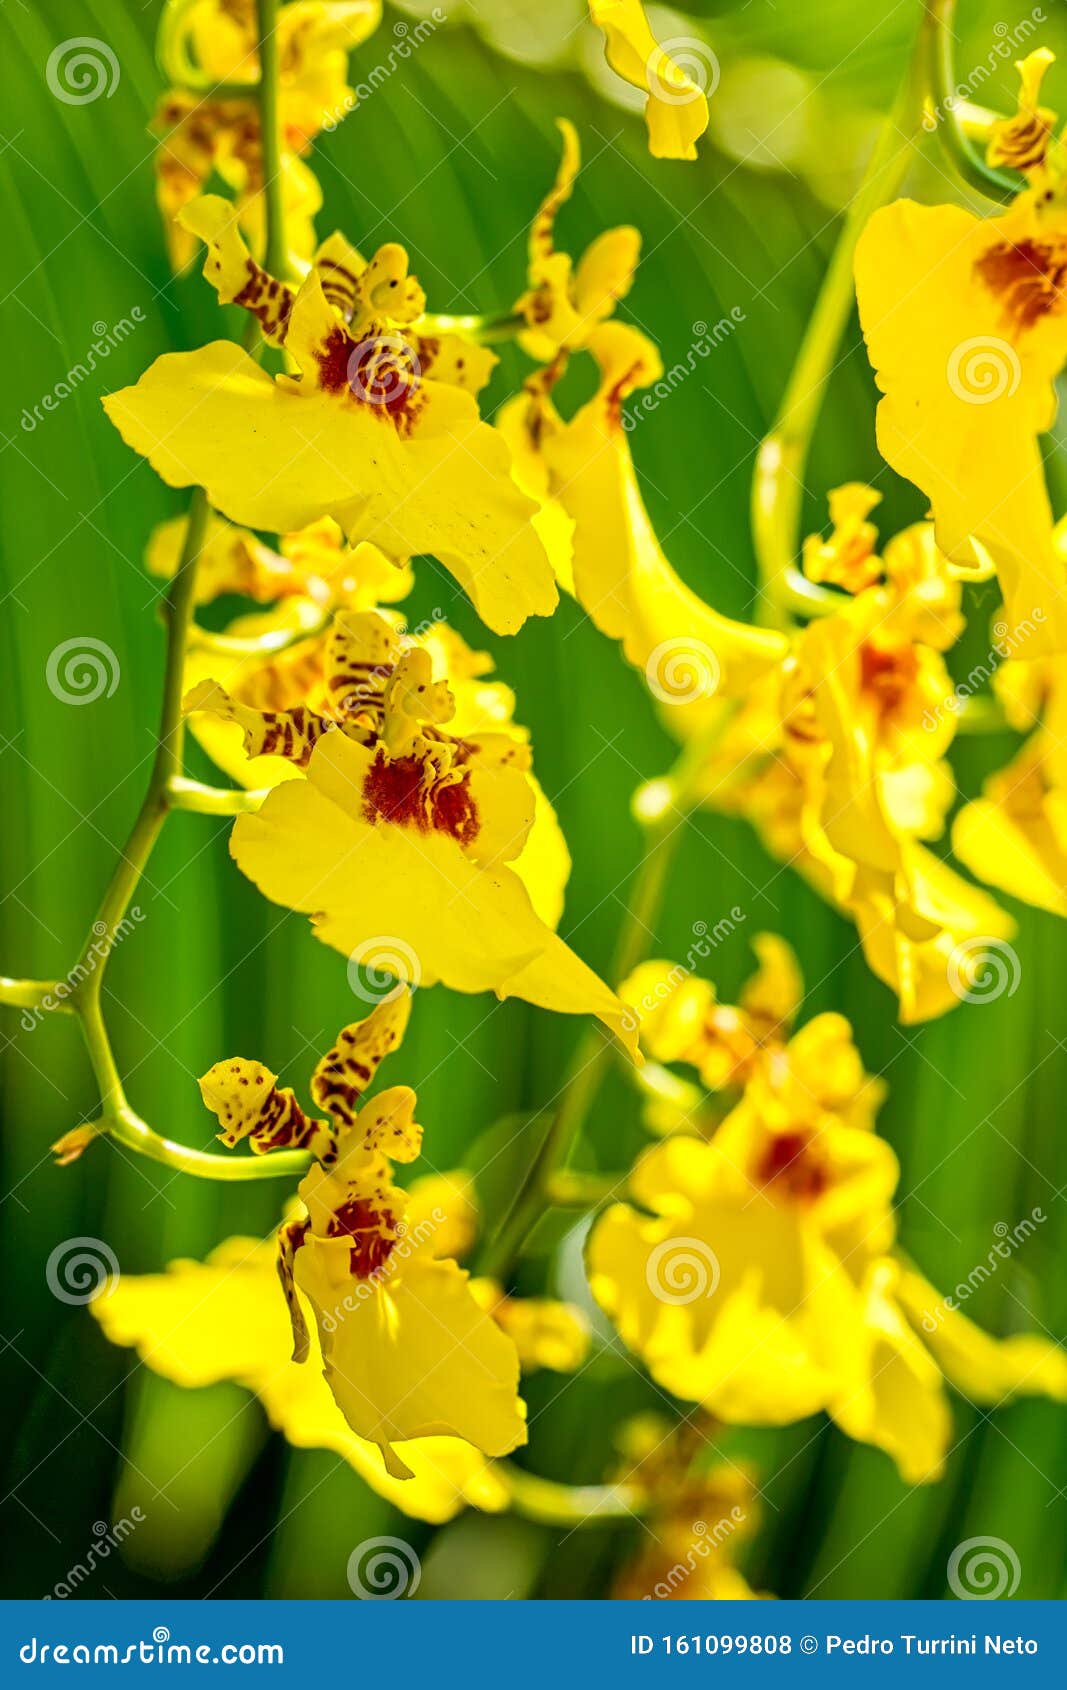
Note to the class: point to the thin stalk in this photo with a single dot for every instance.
(276, 251)
(778, 483)
(553, 1504)
(951, 125)
(204, 800)
(593, 1059)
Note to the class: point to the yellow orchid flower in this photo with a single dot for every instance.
(216, 43)
(400, 841)
(200, 1323)
(380, 430)
(590, 512)
(677, 109)
(1015, 836)
(1021, 142)
(546, 1333)
(698, 1517)
(756, 1278)
(564, 303)
(803, 1073)
(407, 1350)
(849, 557)
(683, 1021)
(965, 326)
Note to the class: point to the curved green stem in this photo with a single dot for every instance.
(553, 1504)
(945, 117)
(778, 483)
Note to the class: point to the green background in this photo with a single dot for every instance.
(451, 155)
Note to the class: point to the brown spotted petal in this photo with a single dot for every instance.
(346, 1070)
(246, 1101)
(292, 734)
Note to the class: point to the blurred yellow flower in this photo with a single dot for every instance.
(380, 430)
(965, 326)
(1015, 836)
(215, 42)
(677, 109)
(756, 1278)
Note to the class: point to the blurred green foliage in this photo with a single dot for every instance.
(450, 157)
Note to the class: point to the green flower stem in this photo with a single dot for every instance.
(593, 1059)
(168, 789)
(953, 125)
(778, 483)
(276, 250)
(30, 994)
(204, 800)
(552, 1504)
(486, 330)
